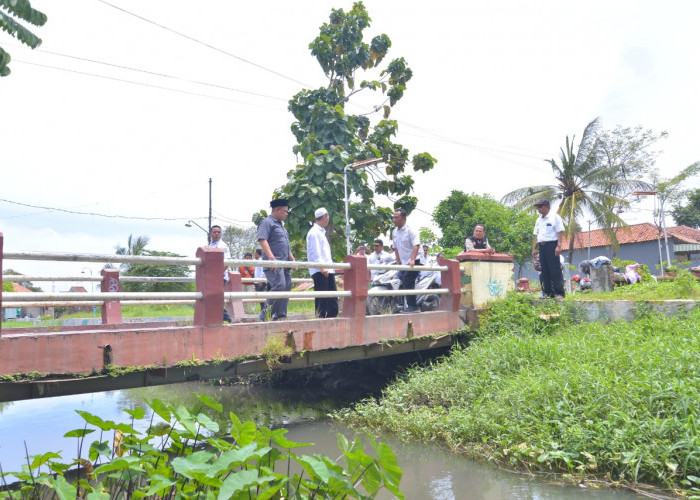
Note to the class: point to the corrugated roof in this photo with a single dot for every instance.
(635, 233)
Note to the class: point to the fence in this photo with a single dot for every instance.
(212, 295)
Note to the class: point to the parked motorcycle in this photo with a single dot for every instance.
(391, 280)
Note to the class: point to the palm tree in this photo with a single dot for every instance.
(584, 185)
(134, 246)
(20, 9)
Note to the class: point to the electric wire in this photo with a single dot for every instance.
(160, 87)
(95, 214)
(205, 44)
(163, 75)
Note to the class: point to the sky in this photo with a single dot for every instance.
(128, 108)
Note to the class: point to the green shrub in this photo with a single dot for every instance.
(620, 400)
(183, 455)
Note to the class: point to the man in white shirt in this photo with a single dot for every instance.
(378, 256)
(549, 232)
(215, 236)
(319, 250)
(406, 248)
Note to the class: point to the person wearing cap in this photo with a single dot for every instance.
(247, 272)
(406, 248)
(274, 241)
(478, 242)
(319, 250)
(378, 256)
(549, 232)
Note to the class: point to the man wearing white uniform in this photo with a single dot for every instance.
(378, 256)
(318, 250)
(549, 231)
(215, 235)
(406, 248)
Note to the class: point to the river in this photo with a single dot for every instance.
(430, 471)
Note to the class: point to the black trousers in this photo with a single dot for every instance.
(551, 276)
(408, 282)
(328, 307)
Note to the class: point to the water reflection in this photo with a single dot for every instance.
(430, 472)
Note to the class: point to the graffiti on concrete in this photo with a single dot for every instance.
(495, 288)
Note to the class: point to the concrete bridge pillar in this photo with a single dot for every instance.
(1, 241)
(450, 280)
(111, 309)
(209, 279)
(234, 306)
(356, 280)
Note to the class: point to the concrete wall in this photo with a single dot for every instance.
(89, 350)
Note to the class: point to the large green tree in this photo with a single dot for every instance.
(329, 138)
(507, 229)
(584, 185)
(688, 214)
(10, 12)
(240, 240)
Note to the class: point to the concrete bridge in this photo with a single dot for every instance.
(51, 361)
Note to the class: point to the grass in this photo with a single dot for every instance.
(619, 401)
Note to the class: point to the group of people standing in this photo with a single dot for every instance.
(274, 242)
(275, 246)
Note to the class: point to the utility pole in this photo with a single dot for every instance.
(589, 240)
(663, 225)
(209, 232)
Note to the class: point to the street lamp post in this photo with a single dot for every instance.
(189, 224)
(353, 166)
(662, 220)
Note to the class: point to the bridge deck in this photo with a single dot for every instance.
(166, 349)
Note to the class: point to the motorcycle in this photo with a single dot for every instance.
(391, 280)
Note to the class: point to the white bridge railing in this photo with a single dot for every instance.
(207, 263)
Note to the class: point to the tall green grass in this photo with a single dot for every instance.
(620, 400)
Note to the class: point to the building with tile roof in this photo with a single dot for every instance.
(640, 242)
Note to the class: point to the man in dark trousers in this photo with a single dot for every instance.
(274, 241)
(319, 250)
(406, 248)
(549, 231)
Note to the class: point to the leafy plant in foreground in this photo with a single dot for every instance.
(181, 455)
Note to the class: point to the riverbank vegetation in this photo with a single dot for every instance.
(618, 401)
(182, 454)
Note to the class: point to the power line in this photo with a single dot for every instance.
(259, 66)
(95, 214)
(164, 75)
(123, 80)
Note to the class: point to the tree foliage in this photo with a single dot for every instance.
(507, 229)
(586, 185)
(329, 139)
(137, 246)
(629, 150)
(240, 240)
(688, 214)
(10, 12)
(134, 246)
(159, 271)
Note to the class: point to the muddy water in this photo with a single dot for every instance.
(430, 472)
